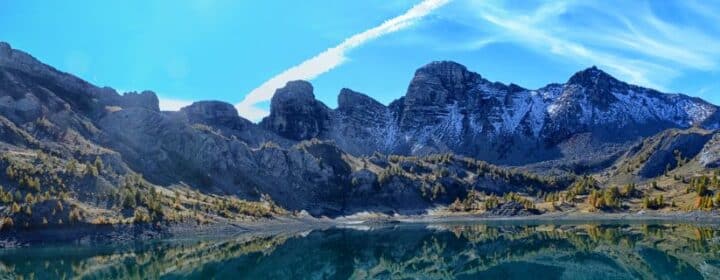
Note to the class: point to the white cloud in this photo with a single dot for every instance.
(537, 30)
(170, 104)
(250, 111)
(473, 44)
(644, 33)
(331, 58)
(706, 9)
(633, 43)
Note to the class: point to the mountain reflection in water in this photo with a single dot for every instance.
(436, 251)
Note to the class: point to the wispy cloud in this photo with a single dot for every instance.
(473, 44)
(536, 30)
(633, 43)
(644, 33)
(706, 9)
(331, 58)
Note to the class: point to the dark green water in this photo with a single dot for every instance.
(437, 251)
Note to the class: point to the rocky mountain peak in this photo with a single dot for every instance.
(5, 49)
(71, 89)
(443, 68)
(597, 86)
(447, 74)
(592, 77)
(440, 80)
(146, 99)
(20, 60)
(349, 99)
(295, 113)
(211, 112)
(434, 87)
(513, 88)
(295, 90)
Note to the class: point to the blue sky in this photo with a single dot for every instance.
(239, 51)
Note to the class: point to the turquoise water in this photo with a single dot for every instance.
(437, 251)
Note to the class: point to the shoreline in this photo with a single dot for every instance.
(129, 233)
(711, 217)
(686, 217)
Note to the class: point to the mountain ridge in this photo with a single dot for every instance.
(448, 108)
(452, 135)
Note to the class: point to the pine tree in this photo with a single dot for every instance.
(29, 199)
(98, 164)
(701, 188)
(629, 190)
(10, 172)
(15, 207)
(71, 167)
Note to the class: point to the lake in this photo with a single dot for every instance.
(414, 251)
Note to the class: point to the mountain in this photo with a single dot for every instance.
(73, 151)
(450, 109)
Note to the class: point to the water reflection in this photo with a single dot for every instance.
(438, 251)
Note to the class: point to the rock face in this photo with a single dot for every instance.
(223, 118)
(361, 125)
(215, 113)
(295, 114)
(709, 156)
(435, 88)
(146, 99)
(598, 87)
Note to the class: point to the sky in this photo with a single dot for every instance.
(241, 51)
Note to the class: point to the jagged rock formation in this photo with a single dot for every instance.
(223, 119)
(215, 113)
(295, 114)
(359, 121)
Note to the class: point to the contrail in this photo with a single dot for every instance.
(331, 58)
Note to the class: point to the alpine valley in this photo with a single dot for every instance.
(456, 144)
